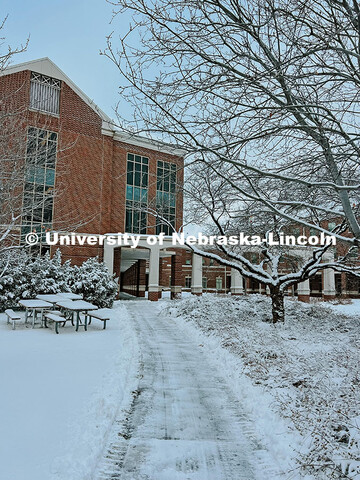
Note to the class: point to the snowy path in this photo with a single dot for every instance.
(184, 423)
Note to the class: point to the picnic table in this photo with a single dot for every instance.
(52, 298)
(71, 296)
(56, 297)
(77, 306)
(34, 306)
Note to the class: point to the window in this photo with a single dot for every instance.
(188, 261)
(44, 93)
(331, 226)
(187, 282)
(38, 197)
(165, 195)
(204, 282)
(137, 179)
(218, 283)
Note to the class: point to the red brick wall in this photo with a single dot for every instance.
(91, 167)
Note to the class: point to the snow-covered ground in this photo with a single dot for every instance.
(347, 307)
(185, 423)
(199, 389)
(60, 395)
(306, 372)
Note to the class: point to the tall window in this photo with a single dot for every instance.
(39, 183)
(136, 193)
(44, 93)
(165, 195)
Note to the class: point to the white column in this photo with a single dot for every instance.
(196, 274)
(109, 256)
(154, 269)
(236, 283)
(304, 288)
(329, 289)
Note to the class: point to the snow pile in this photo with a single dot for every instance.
(61, 394)
(309, 366)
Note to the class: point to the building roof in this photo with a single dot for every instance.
(45, 66)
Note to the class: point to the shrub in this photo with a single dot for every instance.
(25, 276)
(94, 282)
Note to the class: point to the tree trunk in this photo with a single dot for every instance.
(277, 304)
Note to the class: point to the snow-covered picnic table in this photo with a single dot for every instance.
(34, 306)
(56, 297)
(77, 306)
(71, 296)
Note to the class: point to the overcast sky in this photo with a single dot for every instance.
(70, 33)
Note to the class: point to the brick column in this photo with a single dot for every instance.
(344, 289)
(247, 285)
(160, 277)
(176, 275)
(304, 291)
(196, 275)
(141, 278)
(117, 261)
(154, 273)
(236, 283)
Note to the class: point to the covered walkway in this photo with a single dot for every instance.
(139, 270)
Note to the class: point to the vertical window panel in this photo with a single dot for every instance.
(136, 193)
(39, 180)
(165, 195)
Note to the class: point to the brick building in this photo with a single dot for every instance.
(83, 175)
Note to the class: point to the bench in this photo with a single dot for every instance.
(12, 316)
(101, 314)
(56, 318)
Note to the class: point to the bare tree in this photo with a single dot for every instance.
(277, 267)
(7, 52)
(269, 87)
(28, 155)
(12, 153)
(263, 94)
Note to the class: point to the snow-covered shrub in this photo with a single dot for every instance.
(45, 275)
(25, 276)
(12, 279)
(94, 282)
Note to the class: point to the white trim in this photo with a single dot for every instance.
(147, 143)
